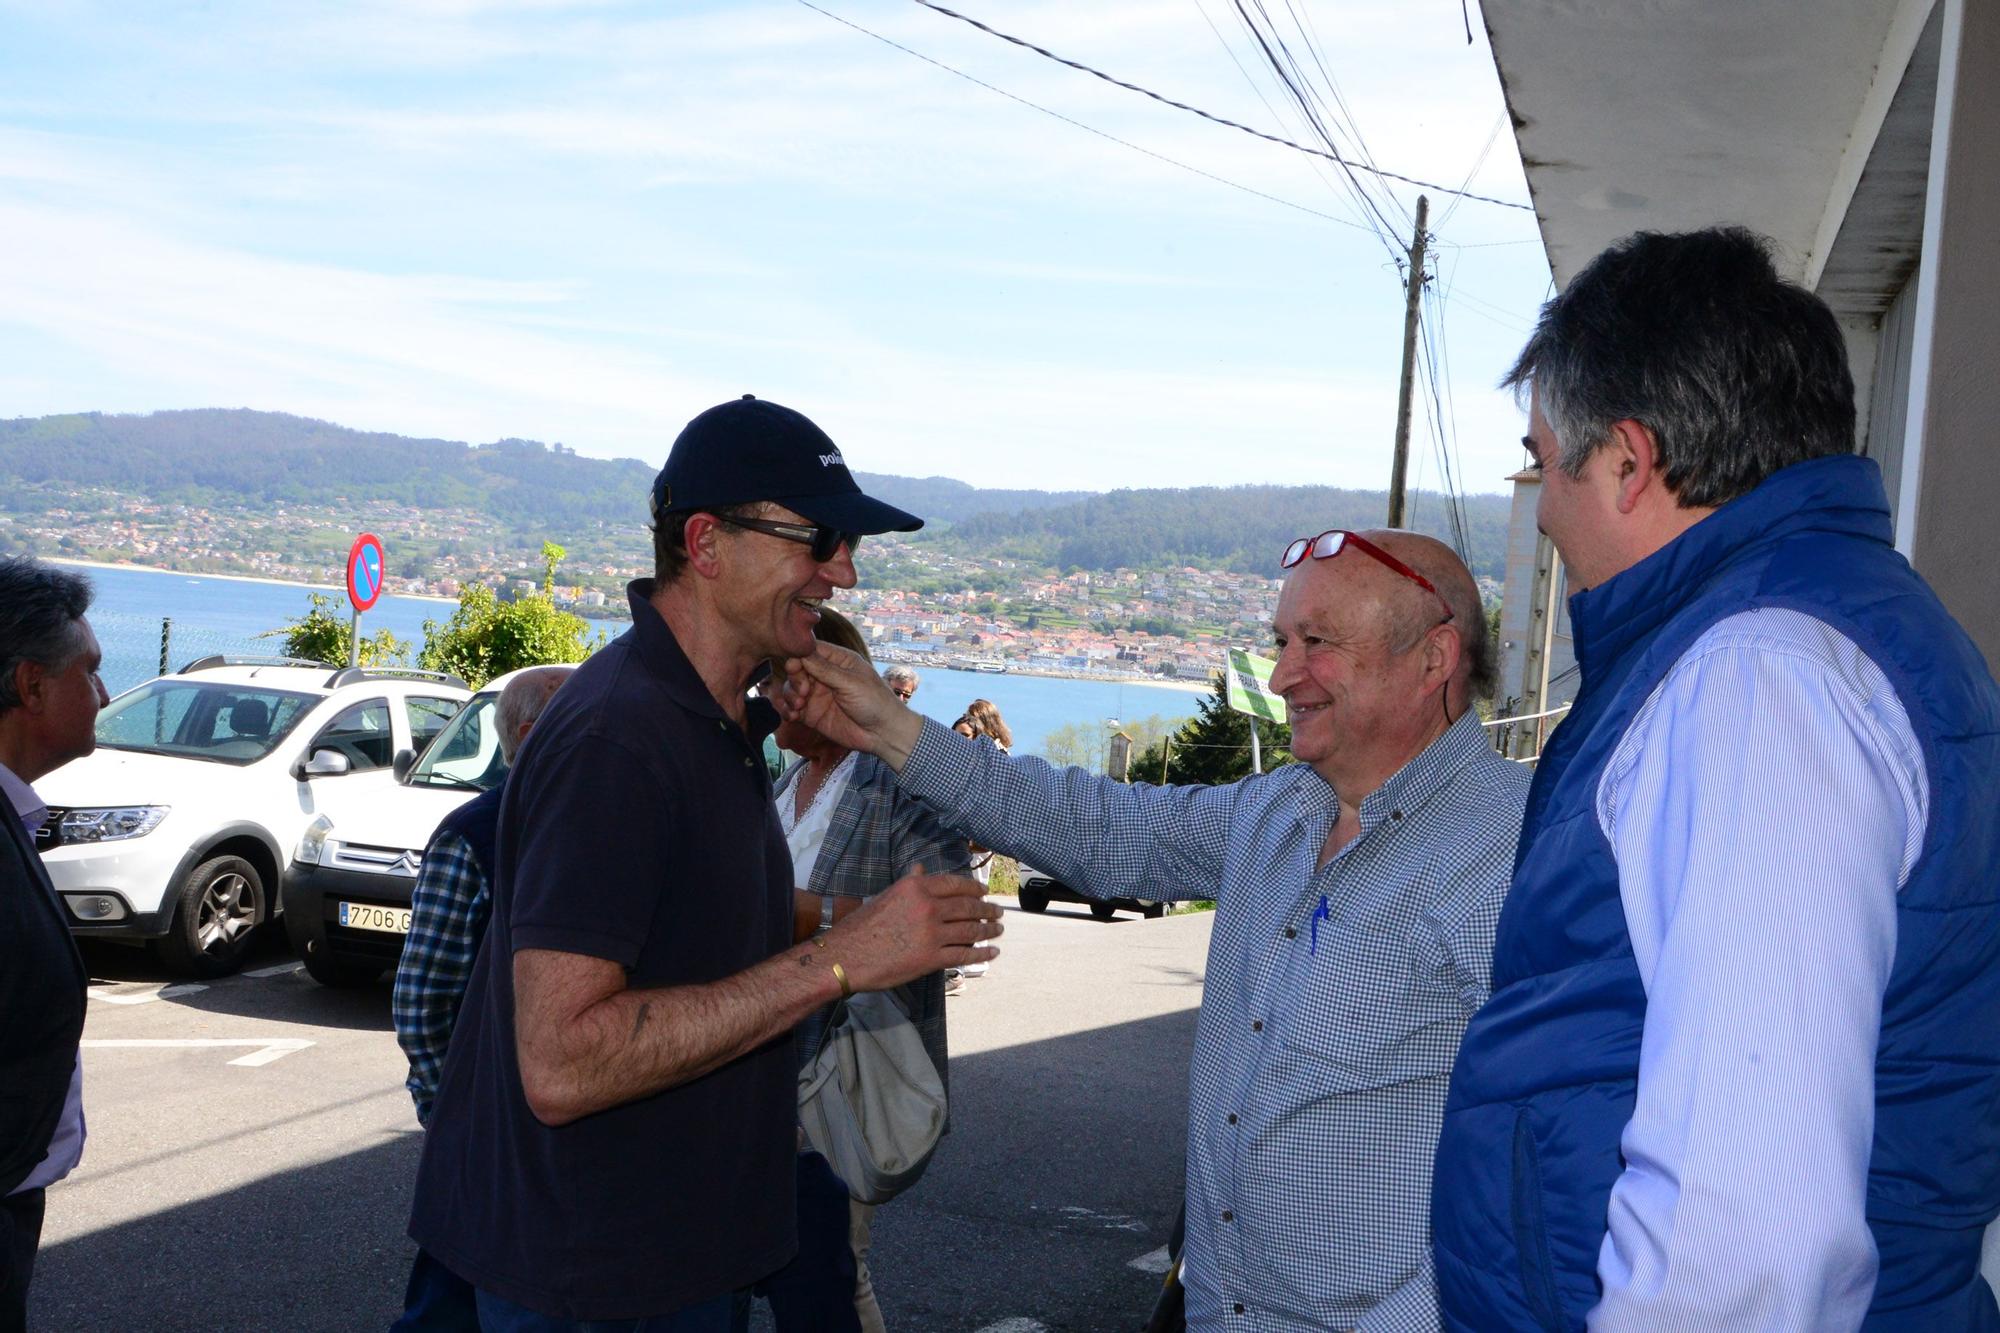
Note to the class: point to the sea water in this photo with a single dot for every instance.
(214, 614)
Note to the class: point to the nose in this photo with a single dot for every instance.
(1285, 674)
(839, 571)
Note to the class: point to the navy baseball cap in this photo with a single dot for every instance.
(751, 449)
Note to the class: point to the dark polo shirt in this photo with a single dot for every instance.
(637, 826)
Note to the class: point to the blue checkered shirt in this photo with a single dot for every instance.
(1335, 1000)
(448, 912)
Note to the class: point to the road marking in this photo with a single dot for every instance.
(1156, 1262)
(145, 992)
(1018, 1324)
(268, 1048)
(1109, 1221)
(278, 971)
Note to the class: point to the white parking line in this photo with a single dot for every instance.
(1018, 1324)
(268, 1048)
(278, 971)
(145, 992)
(1156, 1262)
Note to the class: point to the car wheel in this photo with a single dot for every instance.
(1103, 911)
(1033, 900)
(216, 915)
(338, 972)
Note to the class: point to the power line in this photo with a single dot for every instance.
(1071, 120)
(1205, 115)
(1296, 83)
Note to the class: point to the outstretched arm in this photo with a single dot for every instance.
(1105, 839)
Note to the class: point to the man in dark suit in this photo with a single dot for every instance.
(49, 697)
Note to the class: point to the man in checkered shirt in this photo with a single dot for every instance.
(1356, 893)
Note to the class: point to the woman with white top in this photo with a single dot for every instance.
(853, 833)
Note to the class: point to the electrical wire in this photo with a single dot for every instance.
(1090, 129)
(1319, 167)
(1195, 110)
(1292, 78)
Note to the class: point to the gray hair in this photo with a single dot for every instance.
(1737, 372)
(522, 702)
(900, 674)
(41, 614)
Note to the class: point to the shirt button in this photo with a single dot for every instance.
(1256, 1025)
(1290, 933)
(747, 763)
(1228, 1216)
(1238, 1307)
(1232, 1117)
(1395, 814)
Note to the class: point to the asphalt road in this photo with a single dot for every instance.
(251, 1147)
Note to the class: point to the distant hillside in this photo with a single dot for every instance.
(215, 455)
(224, 458)
(1241, 528)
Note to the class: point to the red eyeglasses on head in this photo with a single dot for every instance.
(1335, 540)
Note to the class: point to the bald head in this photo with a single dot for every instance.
(1409, 611)
(522, 702)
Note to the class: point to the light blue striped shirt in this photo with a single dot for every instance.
(1765, 808)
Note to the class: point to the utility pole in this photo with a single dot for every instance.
(1411, 310)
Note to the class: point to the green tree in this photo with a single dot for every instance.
(487, 637)
(1214, 745)
(1072, 745)
(322, 634)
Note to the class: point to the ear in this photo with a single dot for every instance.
(1633, 453)
(30, 680)
(1442, 652)
(703, 538)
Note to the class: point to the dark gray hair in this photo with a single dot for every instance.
(40, 607)
(1737, 372)
(523, 701)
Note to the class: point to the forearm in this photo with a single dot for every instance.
(633, 1043)
(1100, 837)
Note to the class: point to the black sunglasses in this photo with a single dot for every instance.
(824, 541)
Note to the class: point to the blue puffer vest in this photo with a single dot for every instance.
(1545, 1078)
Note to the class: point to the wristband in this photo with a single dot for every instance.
(840, 975)
(825, 912)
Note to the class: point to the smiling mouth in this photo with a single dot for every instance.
(811, 604)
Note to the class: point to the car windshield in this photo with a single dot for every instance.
(193, 719)
(466, 753)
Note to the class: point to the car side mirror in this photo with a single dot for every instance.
(325, 764)
(404, 761)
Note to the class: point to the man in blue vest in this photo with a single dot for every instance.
(1741, 1067)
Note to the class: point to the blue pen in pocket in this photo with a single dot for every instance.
(1320, 913)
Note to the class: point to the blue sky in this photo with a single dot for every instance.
(585, 220)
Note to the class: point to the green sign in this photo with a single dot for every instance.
(1249, 679)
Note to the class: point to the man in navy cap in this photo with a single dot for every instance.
(614, 1131)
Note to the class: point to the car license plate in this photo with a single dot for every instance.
(367, 916)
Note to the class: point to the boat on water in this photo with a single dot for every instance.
(991, 666)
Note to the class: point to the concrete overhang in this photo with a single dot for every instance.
(1806, 120)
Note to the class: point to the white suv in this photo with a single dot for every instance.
(179, 828)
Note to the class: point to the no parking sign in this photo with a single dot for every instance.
(364, 585)
(364, 571)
